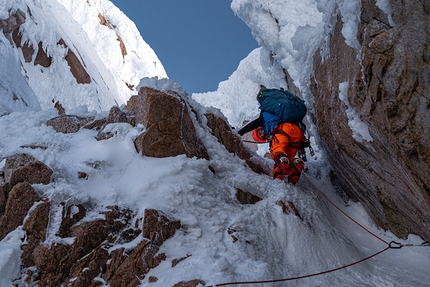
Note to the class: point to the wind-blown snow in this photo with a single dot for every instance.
(237, 97)
(15, 93)
(77, 23)
(385, 6)
(271, 245)
(290, 33)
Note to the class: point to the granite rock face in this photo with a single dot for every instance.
(170, 129)
(387, 86)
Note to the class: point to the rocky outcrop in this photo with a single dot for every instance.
(245, 197)
(25, 168)
(104, 22)
(78, 252)
(72, 124)
(10, 28)
(76, 66)
(87, 261)
(170, 129)
(222, 131)
(388, 88)
(17, 196)
(12, 23)
(68, 123)
(20, 199)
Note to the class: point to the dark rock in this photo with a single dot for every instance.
(157, 227)
(76, 67)
(82, 174)
(88, 268)
(35, 228)
(245, 197)
(131, 269)
(4, 193)
(59, 108)
(42, 58)
(68, 123)
(152, 279)
(24, 167)
(222, 131)
(95, 124)
(21, 198)
(87, 257)
(34, 147)
(176, 261)
(71, 215)
(288, 208)
(51, 263)
(115, 116)
(170, 130)
(387, 89)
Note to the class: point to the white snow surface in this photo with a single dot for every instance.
(271, 244)
(97, 47)
(360, 131)
(15, 93)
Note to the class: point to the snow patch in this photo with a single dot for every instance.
(360, 131)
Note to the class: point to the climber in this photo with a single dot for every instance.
(285, 140)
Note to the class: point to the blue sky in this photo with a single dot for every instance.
(199, 42)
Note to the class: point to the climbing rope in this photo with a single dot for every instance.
(304, 276)
(344, 213)
(391, 245)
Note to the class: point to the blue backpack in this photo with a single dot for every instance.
(280, 106)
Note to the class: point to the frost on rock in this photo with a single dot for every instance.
(360, 131)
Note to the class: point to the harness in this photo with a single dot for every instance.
(299, 145)
(290, 143)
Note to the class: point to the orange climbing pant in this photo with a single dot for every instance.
(286, 141)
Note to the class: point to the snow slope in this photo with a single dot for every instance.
(271, 245)
(77, 23)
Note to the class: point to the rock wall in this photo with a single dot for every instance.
(388, 87)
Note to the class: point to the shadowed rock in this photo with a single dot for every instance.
(222, 131)
(87, 258)
(245, 197)
(35, 228)
(21, 198)
(387, 88)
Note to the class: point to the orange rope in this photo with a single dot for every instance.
(389, 246)
(344, 213)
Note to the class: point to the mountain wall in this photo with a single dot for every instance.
(386, 83)
(72, 52)
(362, 67)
